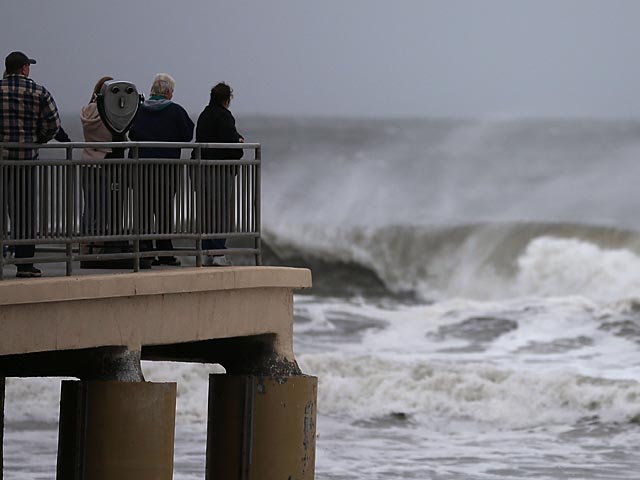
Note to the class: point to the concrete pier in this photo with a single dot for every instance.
(98, 328)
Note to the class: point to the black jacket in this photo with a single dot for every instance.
(161, 121)
(217, 125)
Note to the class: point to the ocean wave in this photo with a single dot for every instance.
(364, 387)
(484, 261)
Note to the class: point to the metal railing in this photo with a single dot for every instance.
(126, 203)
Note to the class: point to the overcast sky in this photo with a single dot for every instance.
(425, 58)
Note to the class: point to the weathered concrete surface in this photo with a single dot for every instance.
(102, 363)
(169, 313)
(261, 427)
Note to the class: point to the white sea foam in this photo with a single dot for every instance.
(562, 267)
(372, 386)
(554, 363)
(32, 399)
(193, 386)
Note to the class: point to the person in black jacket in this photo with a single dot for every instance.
(217, 125)
(159, 119)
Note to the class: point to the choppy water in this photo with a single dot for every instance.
(475, 311)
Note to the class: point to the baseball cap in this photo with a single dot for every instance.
(15, 60)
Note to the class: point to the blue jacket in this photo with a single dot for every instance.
(161, 120)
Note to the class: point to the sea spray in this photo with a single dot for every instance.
(368, 387)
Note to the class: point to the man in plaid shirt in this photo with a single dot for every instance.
(28, 114)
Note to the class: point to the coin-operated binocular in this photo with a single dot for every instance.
(118, 103)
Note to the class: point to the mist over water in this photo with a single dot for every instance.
(445, 172)
(475, 311)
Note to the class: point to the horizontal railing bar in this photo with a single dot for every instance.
(78, 258)
(172, 145)
(129, 255)
(230, 251)
(180, 252)
(115, 238)
(123, 161)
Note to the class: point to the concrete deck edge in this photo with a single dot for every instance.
(179, 280)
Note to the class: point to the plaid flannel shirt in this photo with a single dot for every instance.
(28, 114)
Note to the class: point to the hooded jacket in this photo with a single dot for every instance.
(217, 125)
(161, 120)
(94, 131)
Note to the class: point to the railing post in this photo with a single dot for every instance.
(199, 206)
(70, 193)
(258, 206)
(136, 210)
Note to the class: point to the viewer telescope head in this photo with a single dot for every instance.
(118, 103)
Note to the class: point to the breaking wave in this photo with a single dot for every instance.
(490, 261)
(370, 386)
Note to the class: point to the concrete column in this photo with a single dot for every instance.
(261, 428)
(116, 430)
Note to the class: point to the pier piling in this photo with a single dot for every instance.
(261, 428)
(116, 430)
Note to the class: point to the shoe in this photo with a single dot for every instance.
(220, 261)
(173, 261)
(145, 263)
(28, 272)
(216, 261)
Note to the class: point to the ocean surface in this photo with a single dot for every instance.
(476, 303)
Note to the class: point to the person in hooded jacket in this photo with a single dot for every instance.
(159, 119)
(93, 127)
(94, 177)
(217, 125)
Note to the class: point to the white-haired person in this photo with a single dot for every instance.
(160, 119)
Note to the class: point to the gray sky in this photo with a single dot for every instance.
(479, 58)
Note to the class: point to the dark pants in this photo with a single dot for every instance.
(19, 194)
(161, 207)
(97, 215)
(218, 191)
(161, 245)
